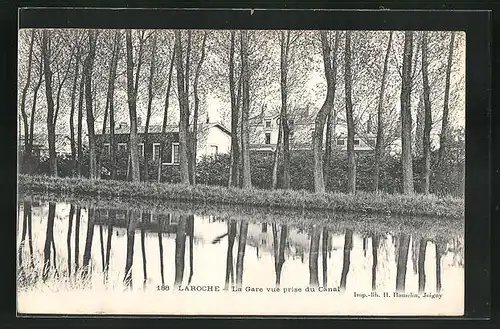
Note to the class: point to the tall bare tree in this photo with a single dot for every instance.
(109, 108)
(23, 98)
(406, 125)
(319, 124)
(235, 115)
(165, 113)
(196, 111)
(332, 115)
(132, 86)
(443, 137)
(351, 157)
(182, 93)
(245, 88)
(151, 95)
(380, 118)
(426, 138)
(87, 72)
(51, 123)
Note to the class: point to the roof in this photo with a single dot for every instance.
(156, 129)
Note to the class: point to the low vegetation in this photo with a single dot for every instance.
(361, 202)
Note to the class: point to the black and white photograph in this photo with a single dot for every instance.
(241, 172)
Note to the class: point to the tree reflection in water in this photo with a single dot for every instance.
(279, 250)
(347, 259)
(231, 233)
(375, 246)
(180, 250)
(88, 242)
(421, 264)
(77, 238)
(313, 257)
(324, 253)
(242, 241)
(287, 243)
(402, 259)
(160, 247)
(133, 217)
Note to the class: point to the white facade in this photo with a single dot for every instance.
(215, 140)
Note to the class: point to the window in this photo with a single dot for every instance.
(175, 153)
(356, 142)
(106, 148)
(340, 142)
(268, 138)
(268, 123)
(122, 147)
(156, 150)
(141, 149)
(214, 149)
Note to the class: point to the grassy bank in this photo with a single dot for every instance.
(361, 202)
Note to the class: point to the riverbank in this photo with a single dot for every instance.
(361, 202)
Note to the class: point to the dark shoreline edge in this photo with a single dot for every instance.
(418, 226)
(362, 202)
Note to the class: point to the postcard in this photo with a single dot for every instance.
(241, 172)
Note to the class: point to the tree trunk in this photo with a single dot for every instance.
(426, 140)
(23, 100)
(68, 236)
(87, 252)
(133, 217)
(194, 136)
(230, 245)
(324, 254)
(317, 140)
(33, 108)
(72, 113)
(443, 137)
(276, 158)
(88, 67)
(132, 102)
(375, 245)
(151, 94)
(165, 115)
(79, 142)
(51, 124)
(402, 259)
(235, 150)
(351, 160)
(285, 48)
(49, 237)
(313, 257)
(111, 98)
(332, 115)
(77, 238)
(347, 259)
(160, 246)
(406, 125)
(143, 253)
(419, 129)
(421, 264)
(180, 251)
(242, 241)
(379, 143)
(245, 87)
(183, 110)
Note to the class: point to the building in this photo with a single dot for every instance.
(264, 134)
(213, 138)
(41, 145)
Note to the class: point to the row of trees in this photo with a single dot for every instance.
(319, 249)
(363, 73)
